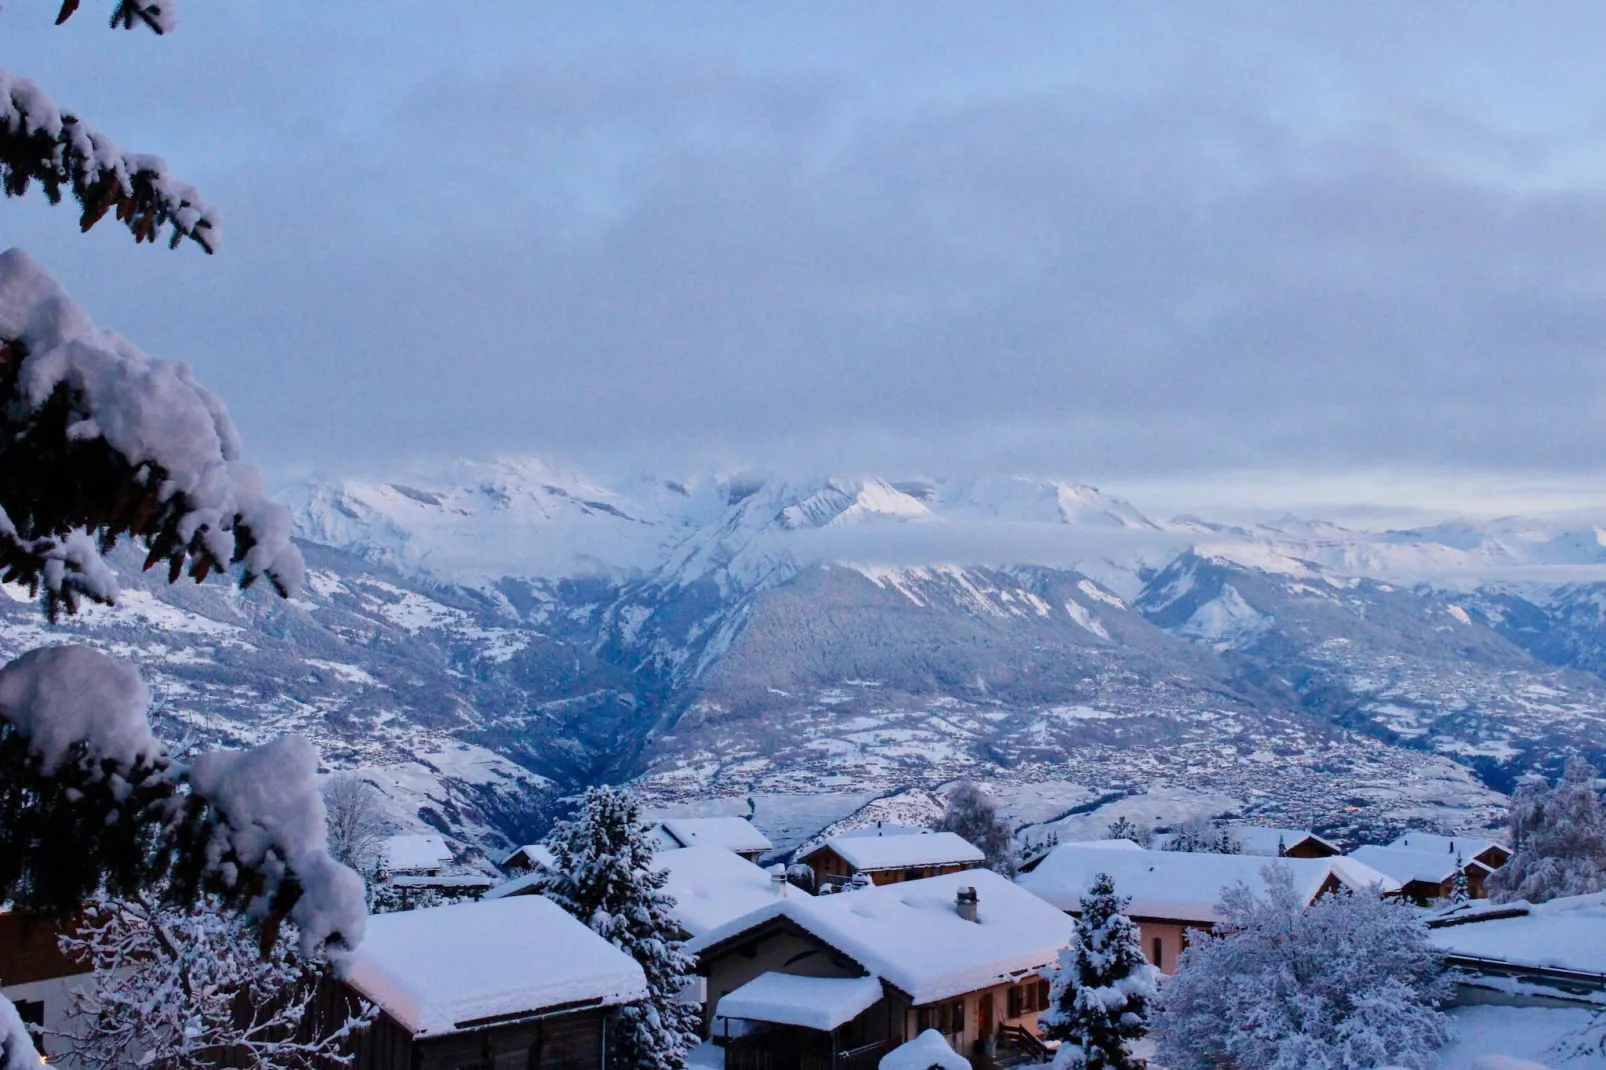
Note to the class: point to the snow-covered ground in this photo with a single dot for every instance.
(1539, 1035)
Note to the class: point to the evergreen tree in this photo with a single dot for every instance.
(1123, 828)
(604, 875)
(1458, 883)
(1558, 837)
(1101, 989)
(1200, 836)
(972, 816)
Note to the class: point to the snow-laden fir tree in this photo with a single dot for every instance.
(1458, 884)
(1351, 982)
(973, 816)
(1558, 839)
(1124, 828)
(99, 442)
(189, 987)
(604, 875)
(1101, 989)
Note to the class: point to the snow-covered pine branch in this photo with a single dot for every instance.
(103, 441)
(194, 986)
(1351, 981)
(80, 766)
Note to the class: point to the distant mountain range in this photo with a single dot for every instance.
(486, 638)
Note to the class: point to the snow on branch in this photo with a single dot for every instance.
(79, 765)
(101, 441)
(16, 1045)
(39, 143)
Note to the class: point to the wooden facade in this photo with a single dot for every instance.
(559, 1038)
(831, 868)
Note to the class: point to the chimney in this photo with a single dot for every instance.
(778, 882)
(965, 903)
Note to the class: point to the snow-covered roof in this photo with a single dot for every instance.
(1465, 846)
(412, 850)
(732, 833)
(900, 851)
(447, 968)
(1564, 934)
(821, 1003)
(925, 1051)
(911, 935)
(712, 886)
(532, 855)
(1260, 840)
(1182, 885)
(522, 885)
(1404, 865)
(445, 880)
(1103, 845)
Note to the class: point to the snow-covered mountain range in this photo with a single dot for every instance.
(485, 638)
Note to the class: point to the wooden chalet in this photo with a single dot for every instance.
(1174, 893)
(1469, 848)
(889, 857)
(840, 980)
(1425, 876)
(511, 984)
(735, 834)
(1283, 843)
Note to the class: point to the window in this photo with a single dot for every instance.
(1159, 954)
(1042, 996)
(32, 1012)
(1014, 1002)
(913, 874)
(954, 1018)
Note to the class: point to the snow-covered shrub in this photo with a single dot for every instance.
(1202, 836)
(605, 877)
(1558, 839)
(1101, 990)
(1351, 982)
(972, 816)
(176, 987)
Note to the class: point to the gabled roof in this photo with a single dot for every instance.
(531, 856)
(1465, 846)
(1405, 866)
(821, 1003)
(1563, 934)
(713, 886)
(450, 968)
(911, 936)
(1180, 885)
(870, 854)
(732, 833)
(1260, 840)
(412, 850)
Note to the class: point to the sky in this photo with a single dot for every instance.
(1271, 254)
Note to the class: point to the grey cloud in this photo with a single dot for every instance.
(677, 252)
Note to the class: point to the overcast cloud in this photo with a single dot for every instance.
(1117, 242)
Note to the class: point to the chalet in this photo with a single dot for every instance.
(1546, 954)
(528, 859)
(888, 859)
(1283, 843)
(844, 978)
(34, 973)
(1175, 892)
(1424, 876)
(416, 854)
(511, 983)
(735, 834)
(1470, 848)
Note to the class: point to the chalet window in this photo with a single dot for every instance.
(32, 1012)
(954, 1018)
(913, 874)
(1159, 954)
(1040, 990)
(923, 1019)
(1014, 1002)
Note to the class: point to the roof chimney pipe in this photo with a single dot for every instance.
(966, 904)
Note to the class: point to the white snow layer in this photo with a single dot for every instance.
(58, 696)
(1567, 933)
(150, 411)
(732, 833)
(1468, 847)
(821, 1003)
(871, 853)
(713, 886)
(1181, 885)
(1261, 840)
(925, 1051)
(412, 851)
(16, 1045)
(1405, 865)
(269, 795)
(438, 969)
(911, 935)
